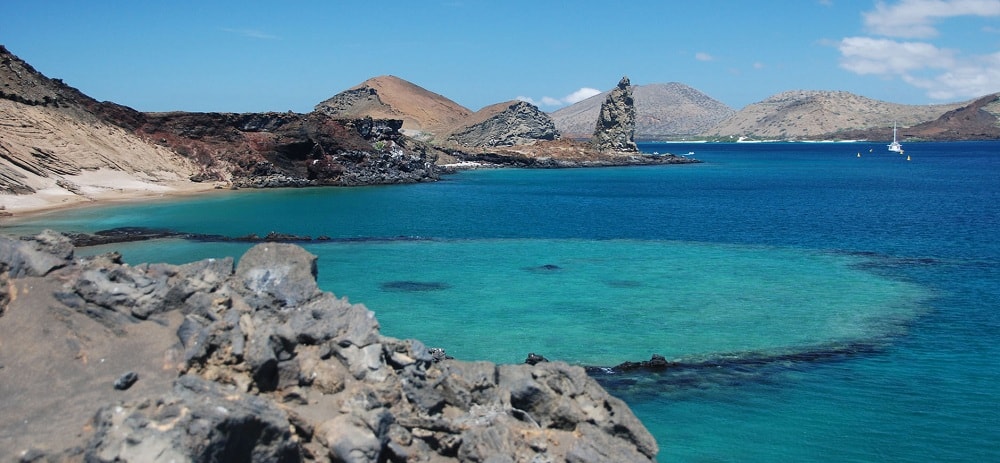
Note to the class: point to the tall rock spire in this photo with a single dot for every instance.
(615, 129)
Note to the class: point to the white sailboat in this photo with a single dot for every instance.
(895, 147)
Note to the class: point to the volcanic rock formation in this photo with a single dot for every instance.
(289, 149)
(103, 361)
(505, 124)
(615, 129)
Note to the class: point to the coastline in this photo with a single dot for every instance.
(98, 188)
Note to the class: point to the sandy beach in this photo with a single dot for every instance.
(100, 187)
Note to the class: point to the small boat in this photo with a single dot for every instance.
(895, 147)
(859, 154)
(907, 157)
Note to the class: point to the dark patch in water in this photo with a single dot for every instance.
(407, 286)
(544, 268)
(624, 284)
(877, 260)
(650, 378)
(131, 234)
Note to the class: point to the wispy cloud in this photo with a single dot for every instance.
(916, 18)
(702, 56)
(943, 73)
(867, 55)
(577, 96)
(251, 33)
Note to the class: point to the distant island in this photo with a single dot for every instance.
(60, 147)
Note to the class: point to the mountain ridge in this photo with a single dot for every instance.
(810, 114)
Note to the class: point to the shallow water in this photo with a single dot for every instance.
(851, 304)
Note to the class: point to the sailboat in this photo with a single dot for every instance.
(895, 147)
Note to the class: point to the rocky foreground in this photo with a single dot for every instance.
(102, 361)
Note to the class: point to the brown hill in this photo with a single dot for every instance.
(810, 114)
(389, 97)
(662, 111)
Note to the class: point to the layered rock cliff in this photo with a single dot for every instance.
(102, 361)
(53, 138)
(615, 129)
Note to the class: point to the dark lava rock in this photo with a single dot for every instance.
(615, 129)
(126, 380)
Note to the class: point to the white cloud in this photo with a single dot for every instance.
(916, 18)
(969, 80)
(866, 55)
(702, 56)
(577, 96)
(581, 94)
(943, 73)
(549, 101)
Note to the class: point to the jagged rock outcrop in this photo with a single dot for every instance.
(615, 129)
(102, 361)
(505, 124)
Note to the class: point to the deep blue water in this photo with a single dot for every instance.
(855, 299)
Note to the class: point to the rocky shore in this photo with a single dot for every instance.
(210, 361)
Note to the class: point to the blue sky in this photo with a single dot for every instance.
(278, 56)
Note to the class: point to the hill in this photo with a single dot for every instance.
(56, 143)
(812, 114)
(662, 111)
(389, 97)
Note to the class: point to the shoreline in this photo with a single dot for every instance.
(105, 186)
(14, 208)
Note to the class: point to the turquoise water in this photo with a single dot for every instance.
(850, 304)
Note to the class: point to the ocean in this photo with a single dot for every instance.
(824, 301)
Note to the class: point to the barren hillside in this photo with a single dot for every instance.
(803, 114)
(52, 144)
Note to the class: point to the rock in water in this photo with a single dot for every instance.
(615, 129)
